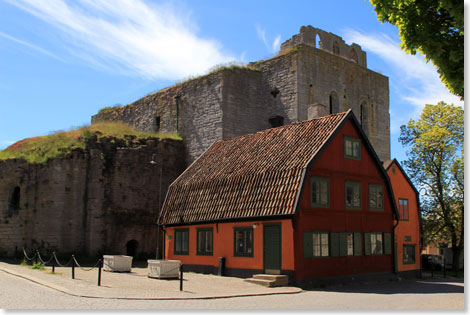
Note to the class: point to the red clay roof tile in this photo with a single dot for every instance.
(253, 175)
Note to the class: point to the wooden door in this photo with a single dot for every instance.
(272, 248)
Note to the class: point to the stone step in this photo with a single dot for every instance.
(265, 283)
(269, 280)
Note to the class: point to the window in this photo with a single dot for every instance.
(316, 244)
(409, 254)
(276, 121)
(157, 124)
(352, 148)
(353, 195)
(243, 242)
(336, 48)
(181, 242)
(204, 241)
(320, 192)
(378, 243)
(345, 244)
(334, 103)
(376, 199)
(403, 209)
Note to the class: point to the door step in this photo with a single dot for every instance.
(269, 280)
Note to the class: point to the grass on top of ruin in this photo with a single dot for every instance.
(58, 144)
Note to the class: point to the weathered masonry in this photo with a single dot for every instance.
(316, 73)
(101, 199)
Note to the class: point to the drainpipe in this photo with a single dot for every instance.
(395, 249)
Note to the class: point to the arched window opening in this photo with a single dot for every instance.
(336, 48)
(353, 55)
(317, 41)
(131, 247)
(334, 104)
(14, 204)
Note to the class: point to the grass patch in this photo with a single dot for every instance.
(24, 263)
(109, 109)
(224, 66)
(38, 150)
(38, 266)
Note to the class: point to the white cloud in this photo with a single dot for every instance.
(152, 41)
(416, 81)
(272, 48)
(29, 45)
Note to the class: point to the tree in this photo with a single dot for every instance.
(434, 28)
(435, 163)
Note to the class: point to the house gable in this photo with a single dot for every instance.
(253, 176)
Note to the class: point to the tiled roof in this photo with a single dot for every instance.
(254, 175)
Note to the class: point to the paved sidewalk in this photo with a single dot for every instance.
(136, 285)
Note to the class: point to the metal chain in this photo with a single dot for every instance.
(26, 255)
(44, 262)
(85, 269)
(58, 263)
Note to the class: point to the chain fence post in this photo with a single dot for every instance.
(181, 277)
(53, 262)
(73, 267)
(99, 272)
(37, 257)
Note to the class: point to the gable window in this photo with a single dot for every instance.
(320, 192)
(243, 242)
(316, 244)
(352, 148)
(352, 195)
(204, 241)
(345, 244)
(181, 242)
(409, 254)
(378, 243)
(376, 199)
(403, 209)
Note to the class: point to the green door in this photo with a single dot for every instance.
(272, 248)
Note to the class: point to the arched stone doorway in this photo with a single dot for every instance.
(131, 247)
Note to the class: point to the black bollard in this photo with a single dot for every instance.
(53, 264)
(99, 272)
(73, 267)
(444, 261)
(37, 257)
(181, 277)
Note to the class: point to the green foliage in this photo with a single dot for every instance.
(38, 266)
(24, 262)
(435, 163)
(434, 28)
(56, 145)
(109, 109)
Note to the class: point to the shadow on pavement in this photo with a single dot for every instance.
(419, 286)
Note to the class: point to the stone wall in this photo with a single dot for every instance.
(236, 101)
(322, 73)
(93, 201)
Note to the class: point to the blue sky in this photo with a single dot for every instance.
(62, 61)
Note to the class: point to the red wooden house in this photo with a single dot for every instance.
(407, 231)
(310, 200)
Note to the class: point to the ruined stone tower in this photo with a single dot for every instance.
(107, 196)
(315, 73)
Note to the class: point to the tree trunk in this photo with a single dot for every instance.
(456, 251)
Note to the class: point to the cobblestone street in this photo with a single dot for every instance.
(438, 294)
